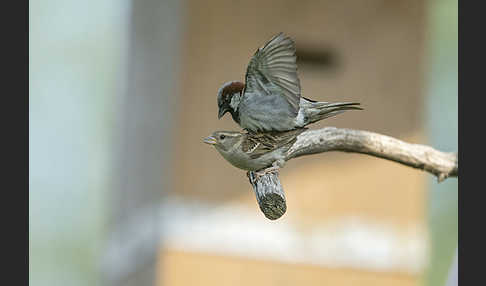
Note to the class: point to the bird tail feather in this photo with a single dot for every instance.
(321, 110)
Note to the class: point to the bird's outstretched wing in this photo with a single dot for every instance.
(258, 144)
(273, 71)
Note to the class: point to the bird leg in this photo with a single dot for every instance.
(274, 169)
(261, 173)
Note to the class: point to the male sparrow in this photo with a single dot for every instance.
(254, 151)
(270, 98)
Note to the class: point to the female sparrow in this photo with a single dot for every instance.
(252, 151)
(270, 98)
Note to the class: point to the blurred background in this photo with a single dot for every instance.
(124, 192)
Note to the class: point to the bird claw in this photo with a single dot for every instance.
(273, 169)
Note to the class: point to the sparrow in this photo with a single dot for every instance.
(254, 151)
(270, 99)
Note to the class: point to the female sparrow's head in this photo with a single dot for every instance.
(223, 140)
(227, 101)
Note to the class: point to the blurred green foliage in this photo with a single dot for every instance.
(75, 52)
(442, 128)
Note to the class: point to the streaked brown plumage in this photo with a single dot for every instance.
(254, 151)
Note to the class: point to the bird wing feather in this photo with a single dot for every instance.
(273, 70)
(258, 144)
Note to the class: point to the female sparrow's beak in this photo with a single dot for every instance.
(210, 140)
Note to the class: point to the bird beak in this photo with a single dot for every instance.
(210, 140)
(221, 112)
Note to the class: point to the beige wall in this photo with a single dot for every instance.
(180, 268)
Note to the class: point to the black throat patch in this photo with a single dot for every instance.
(235, 115)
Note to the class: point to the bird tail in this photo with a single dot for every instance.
(315, 110)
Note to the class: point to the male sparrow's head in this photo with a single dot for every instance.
(224, 140)
(229, 98)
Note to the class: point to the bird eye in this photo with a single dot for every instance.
(221, 137)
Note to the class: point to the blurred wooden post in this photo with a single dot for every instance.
(142, 155)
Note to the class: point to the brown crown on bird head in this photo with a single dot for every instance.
(232, 88)
(227, 101)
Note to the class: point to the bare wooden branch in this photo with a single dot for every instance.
(442, 165)
(269, 191)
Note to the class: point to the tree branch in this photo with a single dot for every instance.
(269, 193)
(440, 164)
